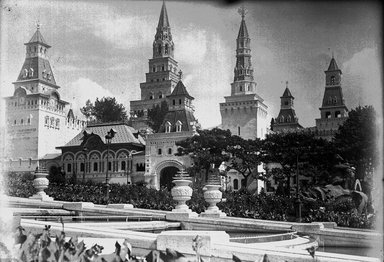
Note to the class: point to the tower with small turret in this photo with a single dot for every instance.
(38, 119)
(287, 119)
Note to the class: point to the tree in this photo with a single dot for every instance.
(217, 146)
(87, 109)
(105, 110)
(300, 150)
(356, 141)
(206, 148)
(245, 157)
(156, 115)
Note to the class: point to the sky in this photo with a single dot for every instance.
(101, 48)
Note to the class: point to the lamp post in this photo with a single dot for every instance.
(297, 200)
(85, 151)
(108, 137)
(129, 166)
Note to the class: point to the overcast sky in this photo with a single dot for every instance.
(101, 48)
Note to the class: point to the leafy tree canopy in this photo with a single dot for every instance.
(156, 115)
(104, 110)
(314, 156)
(356, 141)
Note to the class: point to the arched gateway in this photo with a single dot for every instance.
(166, 170)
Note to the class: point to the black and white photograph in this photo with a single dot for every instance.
(175, 130)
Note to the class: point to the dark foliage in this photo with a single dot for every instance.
(238, 204)
(105, 110)
(156, 115)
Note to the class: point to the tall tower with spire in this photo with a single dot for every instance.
(287, 119)
(333, 111)
(162, 76)
(244, 112)
(37, 117)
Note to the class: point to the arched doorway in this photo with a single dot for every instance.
(166, 176)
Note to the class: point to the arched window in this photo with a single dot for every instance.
(123, 165)
(109, 166)
(69, 168)
(178, 126)
(235, 184)
(15, 122)
(168, 126)
(30, 72)
(95, 166)
(46, 122)
(169, 151)
(179, 101)
(159, 49)
(154, 69)
(173, 102)
(327, 114)
(29, 121)
(159, 151)
(162, 67)
(81, 167)
(337, 114)
(241, 88)
(22, 121)
(166, 49)
(25, 73)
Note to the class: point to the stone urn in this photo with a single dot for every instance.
(181, 193)
(213, 196)
(41, 183)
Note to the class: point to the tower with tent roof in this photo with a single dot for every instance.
(38, 119)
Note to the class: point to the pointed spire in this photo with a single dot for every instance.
(243, 31)
(163, 19)
(287, 92)
(332, 65)
(38, 37)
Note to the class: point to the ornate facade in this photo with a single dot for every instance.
(244, 112)
(88, 156)
(178, 124)
(38, 119)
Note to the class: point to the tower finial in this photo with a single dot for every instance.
(286, 84)
(242, 11)
(180, 75)
(38, 24)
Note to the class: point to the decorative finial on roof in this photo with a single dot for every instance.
(180, 75)
(38, 24)
(286, 84)
(242, 11)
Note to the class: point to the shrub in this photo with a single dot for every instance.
(238, 204)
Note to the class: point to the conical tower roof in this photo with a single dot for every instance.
(181, 90)
(38, 38)
(163, 19)
(243, 31)
(287, 93)
(332, 65)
